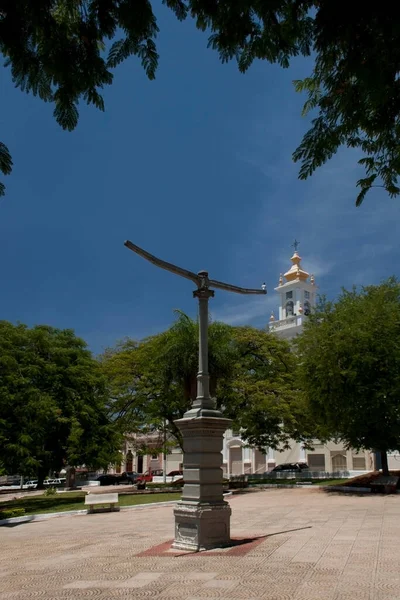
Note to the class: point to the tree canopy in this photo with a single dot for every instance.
(53, 405)
(65, 51)
(252, 376)
(349, 356)
(262, 394)
(154, 382)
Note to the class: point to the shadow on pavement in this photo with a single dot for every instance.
(15, 524)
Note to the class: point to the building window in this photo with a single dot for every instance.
(289, 295)
(307, 309)
(129, 462)
(339, 461)
(359, 463)
(307, 295)
(154, 456)
(316, 462)
(289, 309)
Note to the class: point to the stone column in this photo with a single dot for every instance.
(271, 463)
(302, 454)
(202, 517)
(70, 477)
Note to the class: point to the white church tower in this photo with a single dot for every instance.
(297, 291)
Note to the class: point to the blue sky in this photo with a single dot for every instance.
(196, 168)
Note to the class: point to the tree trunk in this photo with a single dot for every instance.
(41, 474)
(70, 477)
(384, 461)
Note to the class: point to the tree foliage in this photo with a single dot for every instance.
(252, 376)
(355, 90)
(53, 406)
(154, 382)
(262, 394)
(350, 366)
(64, 51)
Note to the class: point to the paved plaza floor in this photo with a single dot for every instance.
(298, 544)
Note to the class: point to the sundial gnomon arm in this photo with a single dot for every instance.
(204, 405)
(200, 279)
(162, 263)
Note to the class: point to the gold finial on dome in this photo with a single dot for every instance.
(296, 272)
(272, 318)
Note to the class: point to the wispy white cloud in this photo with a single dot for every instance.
(245, 312)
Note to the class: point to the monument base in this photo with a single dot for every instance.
(201, 526)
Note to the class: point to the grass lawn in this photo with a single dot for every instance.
(75, 501)
(331, 481)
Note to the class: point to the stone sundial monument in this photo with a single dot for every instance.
(202, 517)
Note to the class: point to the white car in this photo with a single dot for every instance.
(31, 485)
(58, 481)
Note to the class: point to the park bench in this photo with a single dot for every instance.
(384, 485)
(100, 500)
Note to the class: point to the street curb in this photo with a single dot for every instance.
(44, 516)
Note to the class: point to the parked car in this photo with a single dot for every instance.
(58, 481)
(109, 479)
(31, 484)
(175, 474)
(117, 478)
(297, 467)
(149, 475)
(127, 478)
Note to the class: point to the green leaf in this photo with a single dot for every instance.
(6, 163)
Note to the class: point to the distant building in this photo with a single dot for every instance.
(297, 292)
(133, 458)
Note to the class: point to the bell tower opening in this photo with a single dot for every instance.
(297, 292)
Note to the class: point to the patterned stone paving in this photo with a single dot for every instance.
(294, 545)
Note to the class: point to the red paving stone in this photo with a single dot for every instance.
(240, 547)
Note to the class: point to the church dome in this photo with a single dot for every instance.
(296, 272)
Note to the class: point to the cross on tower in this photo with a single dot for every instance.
(295, 245)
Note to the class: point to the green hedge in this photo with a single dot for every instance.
(9, 513)
(152, 486)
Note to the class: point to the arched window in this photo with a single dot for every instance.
(307, 308)
(129, 462)
(289, 309)
(339, 462)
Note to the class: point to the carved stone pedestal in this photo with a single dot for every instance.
(202, 517)
(202, 527)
